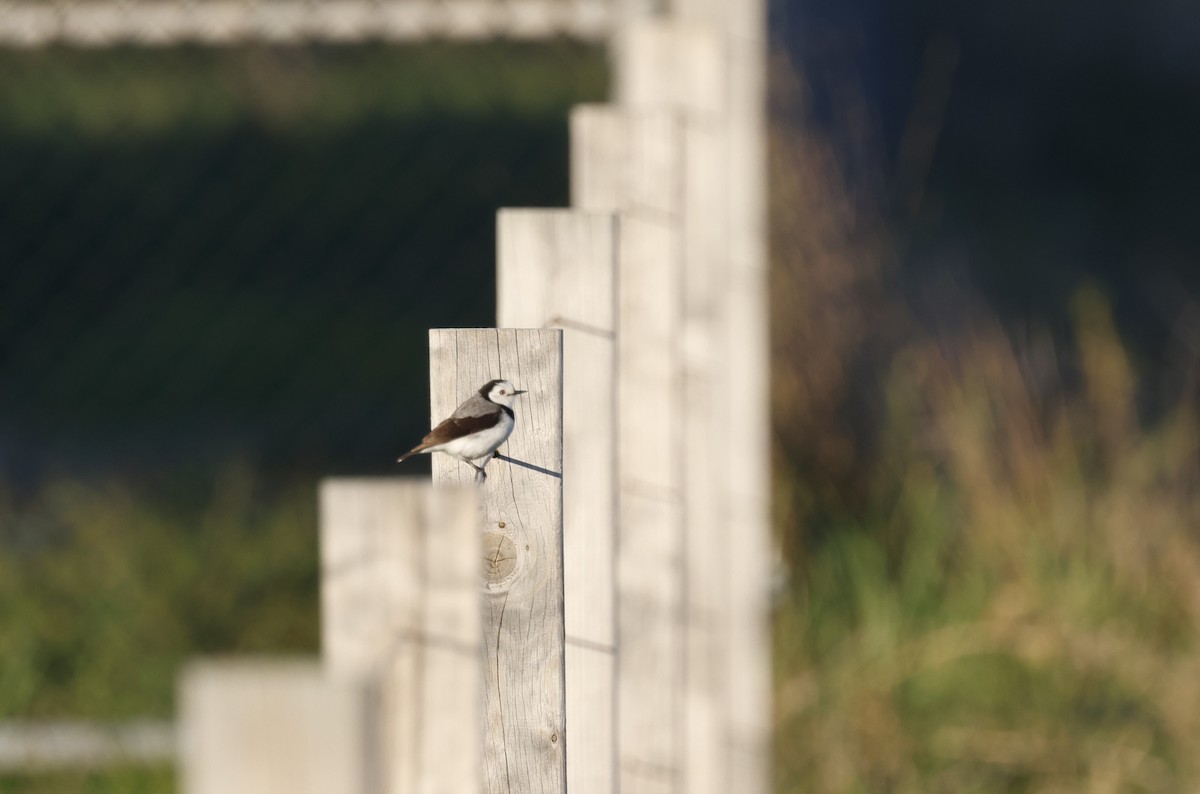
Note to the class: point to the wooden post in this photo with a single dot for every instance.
(701, 67)
(707, 64)
(557, 268)
(627, 162)
(692, 89)
(631, 163)
(746, 335)
(670, 65)
(400, 605)
(651, 540)
(524, 745)
(258, 727)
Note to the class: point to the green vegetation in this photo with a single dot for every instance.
(138, 91)
(995, 564)
(1021, 612)
(105, 589)
(132, 780)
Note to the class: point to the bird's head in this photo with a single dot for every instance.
(501, 392)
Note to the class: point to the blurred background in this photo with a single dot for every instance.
(218, 265)
(985, 345)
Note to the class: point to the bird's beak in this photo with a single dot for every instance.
(519, 391)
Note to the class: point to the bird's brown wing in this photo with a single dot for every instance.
(452, 428)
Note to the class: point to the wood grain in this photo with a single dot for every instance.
(556, 268)
(523, 634)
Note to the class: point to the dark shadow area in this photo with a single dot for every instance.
(529, 466)
(178, 294)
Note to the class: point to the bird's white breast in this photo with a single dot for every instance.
(481, 444)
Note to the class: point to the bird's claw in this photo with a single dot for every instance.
(480, 476)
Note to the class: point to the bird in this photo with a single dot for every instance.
(476, 429)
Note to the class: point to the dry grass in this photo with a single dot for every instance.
(996, 570)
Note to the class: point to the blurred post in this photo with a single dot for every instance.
(674, 68)
(261, 727)
(523, 634)
(557, 268)
(737, 369)
(400, 606)
(631, 163)
(701, 69)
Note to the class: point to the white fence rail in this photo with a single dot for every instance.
(27, 745)
(96, 23)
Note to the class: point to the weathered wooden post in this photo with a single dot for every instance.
(262, 727)
(524, 723)
(558, 268)
(682, 153)
(677, 69)
(631, 163)
(706, 63)
(400, 608)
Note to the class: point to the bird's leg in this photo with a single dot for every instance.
(481, 475)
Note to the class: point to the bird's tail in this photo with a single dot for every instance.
(410, 453)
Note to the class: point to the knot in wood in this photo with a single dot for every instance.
(499, 559)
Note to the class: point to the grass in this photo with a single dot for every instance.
(105, 589)
(1022, 614)
(121, 780)
(995, 565)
